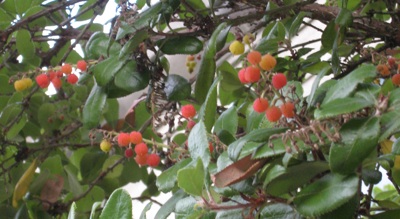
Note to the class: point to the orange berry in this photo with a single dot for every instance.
(188, 111)
(273, 113)
(141, 160)
(396, 79)
(254, 57)
(252, 74)
(57, 83)
(153, 160)
(279, 80)
(81, 65)
(383, 70)
(72, 78)
(128, 153)
(66, 68)
(123, 139)
(241, 75)
(190, 58)
(287, 109)
(141, 149)
(135, 137)
(260, 105)
(267, 62)
(42, 80)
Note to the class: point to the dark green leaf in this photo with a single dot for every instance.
(181, 45)
(111, 112)
(345, 211)
(119, 205)
(146, 16)
(371, 176)
(198, 143)
(105, 71)
(341, 106)
(333, 189)
(133, 43)
(167, 179)
(95, 195)
(328, 36)
(191, 179)
(177, 88)
(388, 214)
(325, 68)
(17, 127)
(230, 80)
(396, 147)
(295, 25)
(24, 44)
(209, 107)
(359, 139)
(128, 78)
(93, 108)
(344, 18)
(98, 45)
(228, 121)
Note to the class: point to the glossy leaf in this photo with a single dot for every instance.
(105, 71)
(333, 189)
(72, 214)
(227, 121)
(133, 44)
(191, 179)
(325, 69)
(341, 106)
(92, 110)
(177, 88)
(99, 45)
(198, 143)
(167, 179)
(129, 79)
(181, 45)
(359, 139)
(279, 211)
(119, 205)
(209, 107)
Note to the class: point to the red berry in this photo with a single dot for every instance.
(391, 62)
(241, 75)
(52, 75)
(254, 57)
(136, 137)
(141, 160)
(273, 114)
(42, 80)
(190, 124)
(128, 152)
(287, 109)
(153, 160)
(210, 147)
(81, 65)
(66, 69)
(141, 149)
(279, 80)
(383, 69)
(72, 78)
(260, 105)
(252, 74)
(396, 79)
(123, 139)
(188, 111)
(59, 74)
(57, 83)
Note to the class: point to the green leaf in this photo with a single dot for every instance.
(198, 143)
(325, 69)
(387, 214)
(119, 205)
(22, 5)
(344, 18)
(99, 45)
(95, 195)
(390, 124)
(133, 43)
(279, 211)
(130, 79)
(345, 86)
(146, 17)
(111, 112)
(169, 206)
(258, 135)
(341, 106)
(209, 107)
(167, 179)
(71, 214)
(396, 147)
(24, 44)
(293, 177)
(191, 179)
(177, 88)
(40, 22)
(105, 71)
(72, 183)
(93, 108)
(111, 161)
(230, 80)
(359, 139)
(17, 127)
(333, 189)
(345, 211)
(94, 210)
(181, 45)
(295, 25)
(145, 210)
(228, 121)
(206, 72)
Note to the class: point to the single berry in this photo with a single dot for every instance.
(52, 75)
(141, 160)
(59, 74)
(392, 62)
(236, 47)
(19, 85)
(188, 111)
(81, 65)
(267, 62)
(66, 68)
(252, 74)
(136, 137)
(383, 69)
(57, 83)
(248, 38)
(128, 153)
(254, 57)
(210, 147)
(153, 160)
(28, 82)
(260, 105)
(279, 80)
(72, 78)
(141, 149)
(190, 124)
(396, 79)
(189, 58)
(42, 80)
(123, 139)
(241, 75)
(61, 117)
(287, 109)
(273, 113)
(105, 145)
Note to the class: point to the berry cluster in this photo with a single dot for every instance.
(190, 63)
(391, 69)
(142, 151)
(23, 84)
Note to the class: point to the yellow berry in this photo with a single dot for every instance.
(105, 145)
(28, 82)
(248, 38)
(19, 85)
(236, 48)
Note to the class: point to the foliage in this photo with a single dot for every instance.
(228, 161)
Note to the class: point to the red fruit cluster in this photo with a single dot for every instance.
(188, 111)
(124, 139)
(274, 113)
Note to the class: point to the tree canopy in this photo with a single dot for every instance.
(239, 138)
